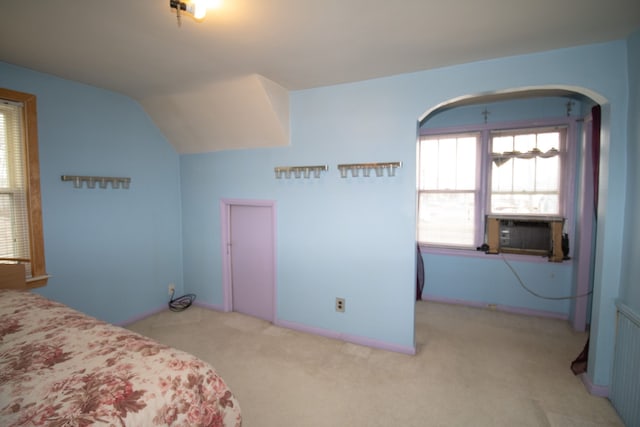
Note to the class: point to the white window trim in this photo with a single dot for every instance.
(476, 191)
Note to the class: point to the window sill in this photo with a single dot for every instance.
(37, 282)
(471, 253)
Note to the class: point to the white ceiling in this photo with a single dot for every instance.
(135, 47)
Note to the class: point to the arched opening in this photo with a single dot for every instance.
(495, 108)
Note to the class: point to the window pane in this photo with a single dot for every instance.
(524, 143)
(525, 176)
(14, 210)
(448, 163)
(549, 140)
(466, 163)
(502, 176)
(526, 204)
(502, 144)
(447, 218)
(6, 227)
(429, 164)
(4, 166)
(548, 174)
(448, 184)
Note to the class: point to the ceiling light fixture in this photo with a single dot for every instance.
(197, 8)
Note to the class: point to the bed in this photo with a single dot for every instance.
(59, 367)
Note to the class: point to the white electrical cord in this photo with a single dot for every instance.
(537, 294)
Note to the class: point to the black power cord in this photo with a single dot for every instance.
(181, 303)
(515, 273)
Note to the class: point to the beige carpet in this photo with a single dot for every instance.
(473, 367)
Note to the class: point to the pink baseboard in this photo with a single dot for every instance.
(594, 389)
(216, 307)
(368, 342)
(498, 307)
(142, 316)
(354, 339)
(146, 314)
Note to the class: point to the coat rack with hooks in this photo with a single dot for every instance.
(100, 181)
(366, 169)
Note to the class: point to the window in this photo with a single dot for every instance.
(21, 236)
(464, 176)
(526, 171)
(448, 189)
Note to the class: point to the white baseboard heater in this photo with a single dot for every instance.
(625, 383)
(525, 235)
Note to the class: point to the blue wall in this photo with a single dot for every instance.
(355, 238)
(630, 291)
(333, 234)
(111, 253)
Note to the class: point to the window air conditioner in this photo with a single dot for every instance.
(525, 235)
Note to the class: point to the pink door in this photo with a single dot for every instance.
(252, 260)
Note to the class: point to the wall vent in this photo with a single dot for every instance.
(625, 384)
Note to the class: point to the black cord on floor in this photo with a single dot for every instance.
(181, 303)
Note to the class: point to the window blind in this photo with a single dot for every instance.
(14, 218)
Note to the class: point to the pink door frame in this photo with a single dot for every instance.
(225, 217)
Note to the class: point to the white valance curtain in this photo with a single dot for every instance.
(501, 158)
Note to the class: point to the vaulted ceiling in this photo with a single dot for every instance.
(204, 82)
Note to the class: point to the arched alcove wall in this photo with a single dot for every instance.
(354, 238)
(603, 292)
(574, 277)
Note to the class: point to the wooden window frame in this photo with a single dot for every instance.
(39, 276)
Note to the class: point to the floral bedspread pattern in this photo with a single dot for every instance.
(59, 367)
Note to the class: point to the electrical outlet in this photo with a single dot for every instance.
(340, 305)
(172, 288)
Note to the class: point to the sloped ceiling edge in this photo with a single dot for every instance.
(246, 112)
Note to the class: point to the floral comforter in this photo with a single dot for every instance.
(59, 367)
